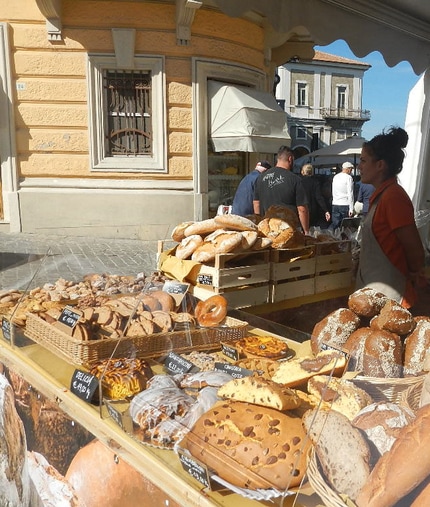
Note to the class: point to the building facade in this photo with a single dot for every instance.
(322, 99)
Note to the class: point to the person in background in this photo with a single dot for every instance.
(365, 191)
(342, 189)
(280, 186)
(392, 254)
(244, 196)
(316, 201)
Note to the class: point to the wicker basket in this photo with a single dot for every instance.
(411, 397)
(88, 351)
(320, 486)
(386, 389)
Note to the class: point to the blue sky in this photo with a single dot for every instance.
(385, 89)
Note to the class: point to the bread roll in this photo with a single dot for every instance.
(417, 347)
(341, 449)
(366, 302)
(394, 318)
(403, 468)
(250, 446)
(334, 329)
(382, 355)
(260, 391)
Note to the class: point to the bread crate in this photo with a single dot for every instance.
(237, 297)
(333, 266)
(292, 273)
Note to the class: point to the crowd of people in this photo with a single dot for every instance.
(392, 255)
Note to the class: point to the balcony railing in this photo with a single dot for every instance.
(347, 114)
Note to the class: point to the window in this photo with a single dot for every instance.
(302, 94)
(127, 126)
(340, 135)
(341, 97)
(301, 133)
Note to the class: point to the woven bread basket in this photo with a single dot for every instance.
(411, 397)
(386, 389)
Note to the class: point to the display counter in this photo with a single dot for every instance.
(169, 483)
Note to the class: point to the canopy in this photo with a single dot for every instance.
(245, 119)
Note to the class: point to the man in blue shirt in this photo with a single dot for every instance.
(242, 202)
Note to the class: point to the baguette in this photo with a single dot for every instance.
(403, 468)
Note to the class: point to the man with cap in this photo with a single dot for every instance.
(242, 202)
(342, 189)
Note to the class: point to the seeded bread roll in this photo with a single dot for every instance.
(383, 355)
(260, 391)
(341, 449)
(334, 329)
(394, 318)
(417, 346)
(250, 446)
(366, 302)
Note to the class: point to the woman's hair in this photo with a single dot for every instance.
(389, 146)
(307, 170)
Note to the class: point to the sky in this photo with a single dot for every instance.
(385, 89)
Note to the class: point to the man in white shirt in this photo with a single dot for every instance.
(342, 196)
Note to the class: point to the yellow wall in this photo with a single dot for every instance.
(51, 99)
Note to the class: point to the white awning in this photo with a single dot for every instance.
(245, 119)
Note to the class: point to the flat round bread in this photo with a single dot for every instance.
(262, 346)
(235, 222)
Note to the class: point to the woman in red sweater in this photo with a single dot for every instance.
(392, 254)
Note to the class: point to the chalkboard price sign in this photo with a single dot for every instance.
(233, 370)
(5, 327)
(230, 352)
(177, 364)
(205, 279)
(83, 385)
(175, 287)
(194, 468)
(69, 317)
(115, 414)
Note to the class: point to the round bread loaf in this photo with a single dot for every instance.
(417, 347)
(166, 300)
(250, 446)
(334, 329)
(381, 422)
(354, 345)
(382, 355)
(394, 318)
(366, 302)
(187, 246)
(284, 213)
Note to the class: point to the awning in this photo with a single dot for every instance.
(245, 119)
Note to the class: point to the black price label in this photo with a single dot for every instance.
(205, 279)
(177, 364)
(233, 370)
(69, 317)
(115, 414)
(195, 468)
(326, 346)
(5, 327)
(230, 352)
(175, 287)
(83, 385)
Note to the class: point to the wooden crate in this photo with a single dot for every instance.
(237, 297)
(290, 289)
(333, 281)
(333, 267)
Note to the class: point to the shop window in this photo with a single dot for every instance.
(301, 133)
(127, 123)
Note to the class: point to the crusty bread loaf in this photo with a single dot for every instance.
(383, 355)
(260, 391)
(250, 446)
(203, 227)
(178, 231)
(334, 329)
(187, 246)
(394, 318)
(382, 422)
(425, 391)
(299, 370)
(284, 213)
(417, 347)
(341, 449)
(422, 496)
(339, 394)
(366, 302)
(401, 469)
(234, 222)
(354, 345)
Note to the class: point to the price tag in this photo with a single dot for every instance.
(5, 327)
(195, 468)
(115, 414)
(176, 289)
(233, 370)
(83, 385)
(177, 364)
(230, 352)
(69, 317)
(203, 279)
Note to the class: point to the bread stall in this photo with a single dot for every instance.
(84, 378)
